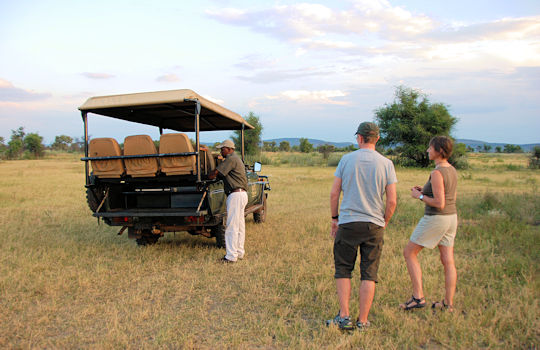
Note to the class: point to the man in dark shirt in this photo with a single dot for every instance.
(233, 173)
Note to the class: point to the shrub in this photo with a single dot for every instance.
(534, 160)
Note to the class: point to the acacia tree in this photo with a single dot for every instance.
(33, 143)
(410, 122)
(284, 146)
(62, 142)
(534, 159)
(305, 146)
(509, 148)
(326, 149)
(15, 144)
(252, 137)
(2, 147)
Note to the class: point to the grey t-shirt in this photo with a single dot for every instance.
(364, 176)
(233, 171)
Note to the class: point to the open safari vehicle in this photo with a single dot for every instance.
(151, 191)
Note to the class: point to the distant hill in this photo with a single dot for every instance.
(472, 143)
(314, 142)
(475, 143)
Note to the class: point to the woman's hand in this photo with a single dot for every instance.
(416, 191)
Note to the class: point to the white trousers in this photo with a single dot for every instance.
(235, 234)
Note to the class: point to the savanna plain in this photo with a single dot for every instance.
(68, 282)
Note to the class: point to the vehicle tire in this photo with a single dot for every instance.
(147, 238)
(260, 216)
(218, 231)
(94, 196)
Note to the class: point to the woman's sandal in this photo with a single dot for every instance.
(441, 305)
(414, 303)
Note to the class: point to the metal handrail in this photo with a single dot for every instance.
(159, 155)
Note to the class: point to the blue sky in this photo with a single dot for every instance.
(308, 69)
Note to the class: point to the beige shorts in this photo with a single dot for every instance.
(434, 230)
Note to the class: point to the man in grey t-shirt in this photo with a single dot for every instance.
(364, 176)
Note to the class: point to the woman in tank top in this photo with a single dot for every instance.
(437, 228)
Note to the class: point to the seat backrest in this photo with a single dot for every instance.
(208, 164)
(106, 147)
(138, 145)
(180, 165)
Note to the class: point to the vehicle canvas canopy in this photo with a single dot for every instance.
(173, 109)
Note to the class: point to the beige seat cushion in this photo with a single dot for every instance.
(176, 143)
(140, 167)
(106, 147)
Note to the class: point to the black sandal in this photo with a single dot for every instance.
(442, 306)
(419, 303)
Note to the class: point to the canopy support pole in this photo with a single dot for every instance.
(242, 141)
(197, 141)
(86, 172)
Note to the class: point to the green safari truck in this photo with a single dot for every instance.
(150, 189)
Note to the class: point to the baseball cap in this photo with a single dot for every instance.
(368, 129)
(226, 143)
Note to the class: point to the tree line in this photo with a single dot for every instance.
(23, 145)
(407, 125)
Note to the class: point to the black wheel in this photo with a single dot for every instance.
(94, 197)
(147, 238)
(260, 215)
(219, 232)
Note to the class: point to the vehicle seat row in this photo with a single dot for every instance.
(147, 166)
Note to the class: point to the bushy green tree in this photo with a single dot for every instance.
(326, 150)
(62, 143)
(77, 145)
(508, 148)
(252, 137)
(269, 146)
(33, 143)
(498, 149)
(410, 122)
(3, 147)
(534, 160)
(305, 145)
(15, 144)
(487, 148)
(284, 146)
(459, 156)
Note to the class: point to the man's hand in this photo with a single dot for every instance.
(334, 228)
(213, 174)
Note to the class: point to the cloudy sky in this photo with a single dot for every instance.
(309, 69)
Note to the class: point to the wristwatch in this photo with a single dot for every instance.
(421, 197)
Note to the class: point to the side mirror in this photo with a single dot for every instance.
(257, 167)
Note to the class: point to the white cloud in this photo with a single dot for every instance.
(97, 75)
(215, 100)
(168, 78)
(376, 27)
(11, 95)
(303, 21)
(279, 75)
(321, 96)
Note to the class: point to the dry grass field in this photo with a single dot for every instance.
(67, 282)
